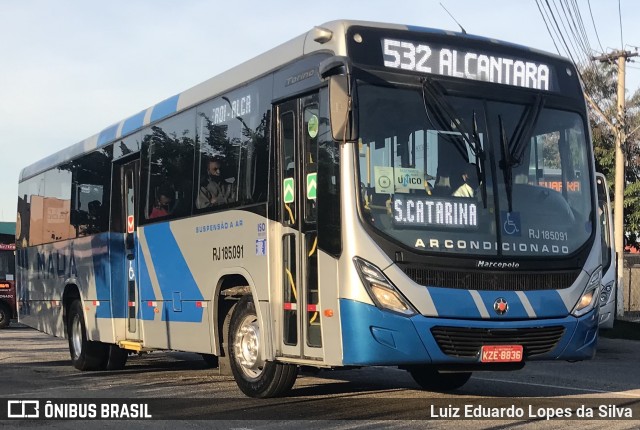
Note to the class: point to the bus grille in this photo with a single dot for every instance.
(466, 342)
(491, 280)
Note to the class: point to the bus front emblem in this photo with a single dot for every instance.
(500, 306)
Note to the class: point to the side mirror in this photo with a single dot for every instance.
(341, 109)
(342, 97)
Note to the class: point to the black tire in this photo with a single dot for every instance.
(5, 316)
(85, 354)
(115, 357)
(255, 376)
(210, 360)
(431, 379)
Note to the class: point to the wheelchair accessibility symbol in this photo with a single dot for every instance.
(511, 224)
(132, 273)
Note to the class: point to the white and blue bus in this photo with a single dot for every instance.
(385, 205)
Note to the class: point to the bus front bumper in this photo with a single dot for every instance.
(371, 336)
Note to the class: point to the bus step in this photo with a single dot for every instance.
(132, 345)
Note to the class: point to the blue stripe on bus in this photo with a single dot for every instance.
(145, 312)
(133, 123)
(547, 304)
(165, 108)
(118, 278)
(107, 135)
(173, 274)
(101, 272)
(100, 260)
(453, 303)
(516, 308)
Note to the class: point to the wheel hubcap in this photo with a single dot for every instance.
(247, 347)
(76, 337)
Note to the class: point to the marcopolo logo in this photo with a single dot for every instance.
(497, 264)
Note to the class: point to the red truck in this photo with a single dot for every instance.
(7, 275)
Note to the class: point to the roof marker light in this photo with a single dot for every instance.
(322, 35)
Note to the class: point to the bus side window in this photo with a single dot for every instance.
(168, 158)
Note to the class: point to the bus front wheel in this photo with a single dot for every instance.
(431, 379)
(85, 354)
(255, 376)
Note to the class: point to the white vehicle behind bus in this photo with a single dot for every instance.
(608, 292)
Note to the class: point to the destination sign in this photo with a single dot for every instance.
(228, 109)
(467, 64)
(430, 212)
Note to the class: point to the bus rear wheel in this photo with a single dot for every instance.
(85, 354)
(255, 376)
(431, 379)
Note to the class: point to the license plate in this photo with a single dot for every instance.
(501, 353)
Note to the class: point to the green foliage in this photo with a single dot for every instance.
(600, 84)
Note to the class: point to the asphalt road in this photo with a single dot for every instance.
(179, 386)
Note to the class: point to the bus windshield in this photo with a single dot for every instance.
(7, 265)
(471, 175)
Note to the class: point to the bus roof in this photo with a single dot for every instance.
(264, 63)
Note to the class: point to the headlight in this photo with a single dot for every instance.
(605, 293)
(589, 297)
(383, 293)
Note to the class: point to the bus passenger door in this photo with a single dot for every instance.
(300, 316)
(123, 253)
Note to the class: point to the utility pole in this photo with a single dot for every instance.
(619, 127)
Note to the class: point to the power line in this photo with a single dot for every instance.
(558, 32)
(620, 16)
(574, 27)
(576, 51)
(583, 31)
(544, 19)
(561, 37)
(594, 26)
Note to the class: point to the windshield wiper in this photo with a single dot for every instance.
(447, 119)
(523, 130)
(513, 150)
(480, 156)
(506, 163)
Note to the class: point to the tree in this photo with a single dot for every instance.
(600, 84)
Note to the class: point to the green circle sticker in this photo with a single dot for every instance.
(312, 126)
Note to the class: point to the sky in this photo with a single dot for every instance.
(70, 68)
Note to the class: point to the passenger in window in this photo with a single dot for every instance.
(162, 206)
(467, 189)
(215, 190)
